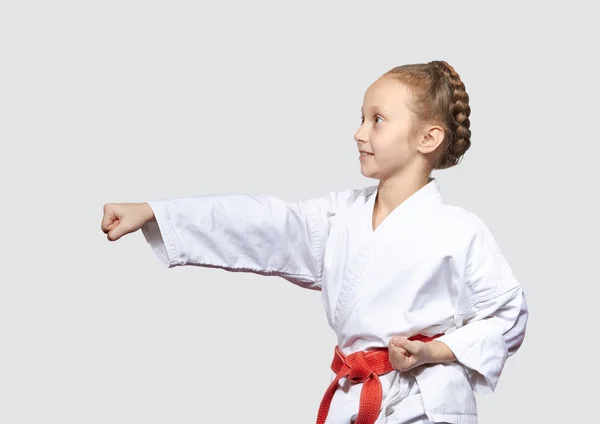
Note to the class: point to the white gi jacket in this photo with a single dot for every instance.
(428, 268)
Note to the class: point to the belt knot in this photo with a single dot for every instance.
(360, 368)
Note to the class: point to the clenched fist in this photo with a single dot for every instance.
(405, 354)
(124, 218)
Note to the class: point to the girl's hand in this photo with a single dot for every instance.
(124, 218)
(407, 354)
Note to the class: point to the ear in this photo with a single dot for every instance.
(430, 139)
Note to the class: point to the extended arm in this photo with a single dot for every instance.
(246, 233)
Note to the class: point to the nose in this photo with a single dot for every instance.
(360, 135)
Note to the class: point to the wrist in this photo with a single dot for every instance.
(440, 352)
(148, 212)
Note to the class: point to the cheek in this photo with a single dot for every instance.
(385, 143)
(380, 141)
(391, 153)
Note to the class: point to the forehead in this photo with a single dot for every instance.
(387, 93)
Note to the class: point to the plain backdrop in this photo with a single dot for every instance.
(128, 101)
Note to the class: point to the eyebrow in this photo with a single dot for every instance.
(375, 107)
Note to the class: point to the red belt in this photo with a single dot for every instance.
(362, 367)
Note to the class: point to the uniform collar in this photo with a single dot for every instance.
(424, 198)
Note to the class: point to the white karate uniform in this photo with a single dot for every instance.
(428, 268)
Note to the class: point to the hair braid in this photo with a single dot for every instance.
(459, 140)
(438, 96)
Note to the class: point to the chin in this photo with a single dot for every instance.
(369, 174)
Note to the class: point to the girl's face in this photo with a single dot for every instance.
(385, 130)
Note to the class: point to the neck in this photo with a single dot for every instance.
(395, 190)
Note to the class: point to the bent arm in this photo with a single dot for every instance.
(491, 315)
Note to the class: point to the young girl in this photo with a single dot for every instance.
(424, 305)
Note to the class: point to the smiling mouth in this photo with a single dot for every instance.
(366, 153)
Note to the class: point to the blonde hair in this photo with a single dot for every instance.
(438, 96)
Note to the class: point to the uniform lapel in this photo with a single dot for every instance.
(374, 243)
(404, 215)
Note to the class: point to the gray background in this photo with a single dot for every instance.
(127, 101)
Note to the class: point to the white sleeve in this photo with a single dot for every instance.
(261, 234)
(491, 314)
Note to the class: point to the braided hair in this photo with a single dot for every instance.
(438, 96)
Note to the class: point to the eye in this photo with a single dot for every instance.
(362, 119)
